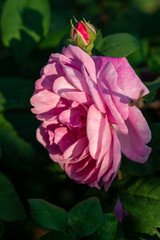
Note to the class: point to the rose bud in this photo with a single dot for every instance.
(83, 35)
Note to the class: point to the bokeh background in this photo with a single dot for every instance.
(30, 31)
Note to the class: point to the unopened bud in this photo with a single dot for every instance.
(83, 35)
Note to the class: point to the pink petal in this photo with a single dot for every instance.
(43, 137)
(95, 122)
(80, 171)
(67, 91)
(63, 60)
(50, 69)
(94, 92)
(57, 57)
(52, 115)
(76, 148)
(133, 144)
(76, 78)
(116, 161)
(64, 138)
(73, 116)
(115, 113)
(127, 78)
(51, 72)
(140, 124)
(38, 83)
(81, 57)
(44, 101)
(109, 77)
(105, 157)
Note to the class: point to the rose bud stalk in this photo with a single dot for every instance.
(83, 35)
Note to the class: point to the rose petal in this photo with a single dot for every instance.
(73, 116)
(133, 144)
(81, 57)
(127, 78)
(76, 148)
(95, 122)
(64, 137)
(76, 79)
(116, 161)
(54, 150)
(67, 91)
(115, 113)
(109, 77)
(94, 92)
(44, 101)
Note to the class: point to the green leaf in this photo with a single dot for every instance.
(142, 199)
(154, 63)
(153, 164)
(54, 38)
(107, 230)
(133, 225)
(24, 23)
(15, 93)
(140, 55)
(120, 232)
(15, 104)
(55, 235)
(47, 215)
(11, 208)
(98, 40)
(85, 218)
(118, 45)
(23, 152)
(153, 87)
(144, 236)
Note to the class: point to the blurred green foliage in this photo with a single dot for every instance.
(30, 31)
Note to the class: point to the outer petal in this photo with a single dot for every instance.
(64, 138)
(73, 116)
(116, 160)
(133, 144)
(82, 170)
(57, 57)
(140, 124)
(81, 57)
(51, 72)
(109, 77)
(67, 91)
(51, 69)
(76, 149)
(105, 156)
(127, 78)
(105, 172)
(106, 139)
(52, 115)
(94, 91)
(38, 83)
(76, 78)
(53, 149)
(44, 101)
(115, 113)
(95, 122)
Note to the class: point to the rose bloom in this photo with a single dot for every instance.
(86, 119)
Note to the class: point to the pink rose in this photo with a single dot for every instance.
(83, 103)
